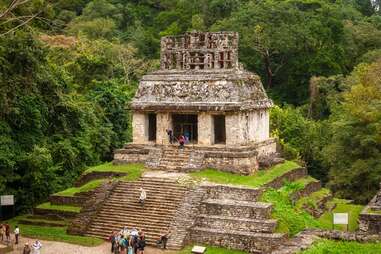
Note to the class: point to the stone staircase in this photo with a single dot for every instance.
(123, 209)
(175, 159)
(231, 217)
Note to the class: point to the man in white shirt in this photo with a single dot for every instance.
(17, 233)
(143, 196)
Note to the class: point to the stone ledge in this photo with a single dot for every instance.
(246, 241)
(234, 223)
(48, 212)
(85, 178)
(220, 191)
(290, 176)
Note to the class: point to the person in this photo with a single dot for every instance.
(143, 196)
(141, 244)
(2, 231)
(112, 239)
(130, 249)
(37, 247)
(7, 232)
(123, 243)
(170, 135)
(164, 239)
(27, 249)
(181, 141)
(17, 234)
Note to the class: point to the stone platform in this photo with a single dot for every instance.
(236, 159)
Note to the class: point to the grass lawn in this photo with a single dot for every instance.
(65, 208)
(342, 206)
(256, 180)
(52, 233)
(133, 170)
(340, 247)
(30, 218)
(212, 250)
(84, 188)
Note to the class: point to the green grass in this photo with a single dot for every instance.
(305, 180)
(65, 208)
(256, 180)
(53, 234)
(340, 247)
(372, 211)
(212, 250)
(133, 170)
(291, 220)
(37, 220)
(84, 188)
(342, 206)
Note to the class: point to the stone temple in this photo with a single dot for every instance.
(202, 92)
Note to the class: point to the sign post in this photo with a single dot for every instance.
(340, 219)
(7, 200)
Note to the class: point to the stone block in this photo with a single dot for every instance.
(227, 223)
(242, 209)
(219, 191)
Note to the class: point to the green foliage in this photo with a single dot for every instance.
(338, 247)
(300, 137)
(256, 180)
(354, 151)
(290, 219)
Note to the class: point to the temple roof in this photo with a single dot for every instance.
(200, 72)
(233, 90)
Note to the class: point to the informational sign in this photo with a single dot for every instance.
(340, 218)
(7, 200)
(198, 249)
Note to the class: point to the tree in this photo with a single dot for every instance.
(354, 153)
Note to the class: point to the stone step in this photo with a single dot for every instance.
(234, 208)
(123, 209)
(219, 191)
(236, 223)
(240, 240)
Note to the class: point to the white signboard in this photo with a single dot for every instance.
(340, 218)
(198, 249)
(7, 200)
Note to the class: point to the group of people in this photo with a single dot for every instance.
(127, 242)
(182, 139)
(5, 233)
(5, 236)
(133, 241)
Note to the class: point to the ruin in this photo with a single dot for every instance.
(202, 92)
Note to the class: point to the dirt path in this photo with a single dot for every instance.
(51, 247)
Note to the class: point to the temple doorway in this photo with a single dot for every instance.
(151, 127)
(185, 125)
(219, 129)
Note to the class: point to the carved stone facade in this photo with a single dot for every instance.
(201, 93)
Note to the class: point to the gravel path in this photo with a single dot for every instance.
(51, 247)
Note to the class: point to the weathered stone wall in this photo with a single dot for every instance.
(163, 123)
(234, 130)
(289, 177)
(85, 178)
(205, 129)
(90, 208)
(132, 153)
(56, 213)
(240, 209)
(219, 191)
(250, 242)
(140, 128)
(370, 222)
(234, 224)
(230, 162)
